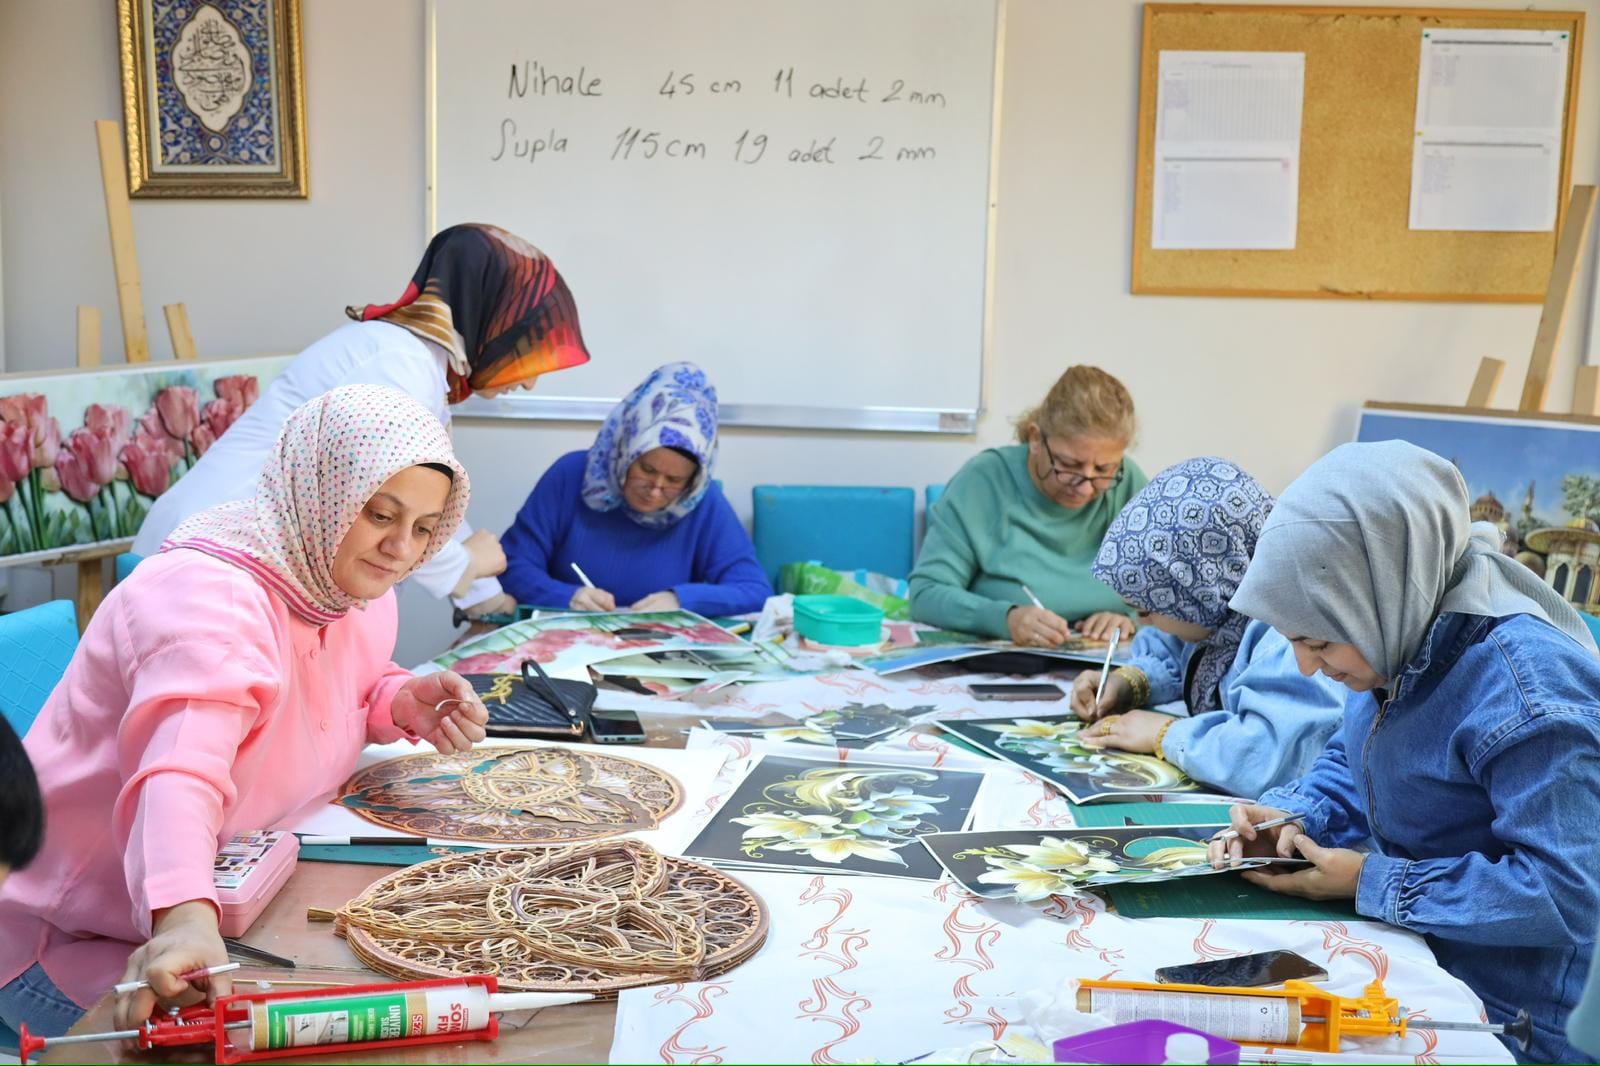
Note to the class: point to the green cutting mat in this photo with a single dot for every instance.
(1222, 896)
(1217, 896)
(1109, 815)
(375, 854)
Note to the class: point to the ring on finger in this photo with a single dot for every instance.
(439, 707)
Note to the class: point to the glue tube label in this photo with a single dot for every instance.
(1259, 1019)
(311, 1020)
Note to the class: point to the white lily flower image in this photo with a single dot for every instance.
(1028, 883)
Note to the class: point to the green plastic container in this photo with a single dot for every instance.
(837, 620)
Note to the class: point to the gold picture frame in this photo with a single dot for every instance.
(213, 98)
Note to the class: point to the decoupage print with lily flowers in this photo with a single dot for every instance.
(1049, 747)
(803, 814)
(1032, 865)
(1057, 866)
(870, 814)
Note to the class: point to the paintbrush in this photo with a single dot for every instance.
(1272, 823)
(192, 975)
(1105, 671)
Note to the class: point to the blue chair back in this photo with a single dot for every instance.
(1593, 623)
(125, 564)
(36, 645)
(931, 494)
(842, 527)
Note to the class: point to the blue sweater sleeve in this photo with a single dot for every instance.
(1544, 890)
(1160, 657)
(533, 538)
(1273, 723)
(727, 577)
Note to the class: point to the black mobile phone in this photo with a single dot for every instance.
(615, 727)
(1016, 690)
(1245, 971)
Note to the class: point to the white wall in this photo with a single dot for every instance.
(256, 277)
(1270, 383)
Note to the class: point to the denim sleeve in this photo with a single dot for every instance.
(1161, 657)
(1544, 889)
(1335, 817)
(1273, 724)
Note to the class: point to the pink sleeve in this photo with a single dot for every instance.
(380, 701)
(192, 704)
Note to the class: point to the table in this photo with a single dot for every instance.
(866, 967)
(580, 1032)
(574, 1033)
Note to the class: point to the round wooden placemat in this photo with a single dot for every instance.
(597, 917)
(513, 795)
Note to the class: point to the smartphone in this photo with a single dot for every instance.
(1245, 971)
(1016, 690)
(615, 727)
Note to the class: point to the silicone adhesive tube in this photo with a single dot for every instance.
(1262, 1019)
(393, 1015)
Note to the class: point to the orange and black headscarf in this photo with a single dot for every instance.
(494, 302)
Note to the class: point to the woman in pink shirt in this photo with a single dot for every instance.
(225, 686)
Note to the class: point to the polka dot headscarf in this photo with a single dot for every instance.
(334, 452)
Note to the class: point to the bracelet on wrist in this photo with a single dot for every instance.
(1161, 739)
(1138, 684)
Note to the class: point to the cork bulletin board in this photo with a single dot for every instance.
(1352, 239)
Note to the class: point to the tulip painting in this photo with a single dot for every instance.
(31, 441)
(82, 456)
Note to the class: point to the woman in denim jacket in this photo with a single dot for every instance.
(1461, 798)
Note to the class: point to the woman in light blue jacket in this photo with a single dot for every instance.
(1176, 554)
(1461, 797)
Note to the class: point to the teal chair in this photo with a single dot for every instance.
(125, 564)
(1593, 623)
(841, 527)
(35, 646)
(931, 494)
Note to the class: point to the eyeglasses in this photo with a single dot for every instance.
(658, 484)
(1072, 479)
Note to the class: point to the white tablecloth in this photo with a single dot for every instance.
(858, 967)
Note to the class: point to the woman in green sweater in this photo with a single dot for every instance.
(1034, 514)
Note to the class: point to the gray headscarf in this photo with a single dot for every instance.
(1372, 543)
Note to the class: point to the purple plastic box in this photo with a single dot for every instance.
(1142, 1042)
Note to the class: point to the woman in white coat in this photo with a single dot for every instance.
(485, 312)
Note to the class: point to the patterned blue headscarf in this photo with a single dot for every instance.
(675, 407)
(1180, 548)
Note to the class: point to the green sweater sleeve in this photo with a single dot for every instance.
(948, 561)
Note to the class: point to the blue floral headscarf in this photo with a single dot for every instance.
(1180, 548)
(675, 407)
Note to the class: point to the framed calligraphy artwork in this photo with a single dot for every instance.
(213, 98)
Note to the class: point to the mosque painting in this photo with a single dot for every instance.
(1536, 479)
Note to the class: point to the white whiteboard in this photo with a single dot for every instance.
(793, 193)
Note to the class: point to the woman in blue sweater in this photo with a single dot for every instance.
(1461, 797)
(1176, 555)
(638, 514)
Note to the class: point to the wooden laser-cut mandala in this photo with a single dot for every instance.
(595, 918)
(513, 795)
